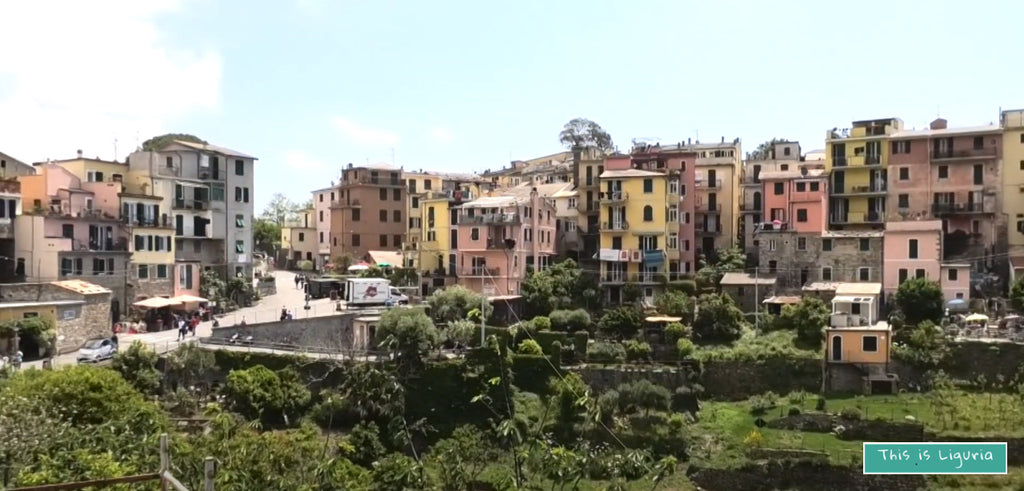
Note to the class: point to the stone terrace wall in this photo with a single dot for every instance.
(799, 475)
(330, 333)
(605, 378)
(737, 380)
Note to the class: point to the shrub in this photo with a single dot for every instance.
(688, 287)
(529, 347)
(365, 445)
(850, 413)
(793, 411)
(532, 372)
(603, 352)
(675, 331)
(623, 321)
(608, 403)
(820, 404)
(570, 320)
(684, 348)
(541, 323)
(761, 404)
(643, 395)
(637, 350)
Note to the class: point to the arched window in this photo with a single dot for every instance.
(648, 213)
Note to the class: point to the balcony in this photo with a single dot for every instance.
(750, 208)
(377, 181)
(456, 195)
(708, 229)
(497, 245)
(774, 226)
(959, 209)
(613, 277)
(148, 222)
(491, 219)
(186, 204)
(855, 218)
(708, 209)
(974, 153)
(879, 189)
(95, 245)
(615, 226)
(479, 272)
(708, 184)
(648, 278)
(613, 196)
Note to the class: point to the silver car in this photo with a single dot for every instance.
(96, 350)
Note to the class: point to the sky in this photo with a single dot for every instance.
(310, 85)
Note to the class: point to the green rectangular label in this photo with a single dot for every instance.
(934, 458)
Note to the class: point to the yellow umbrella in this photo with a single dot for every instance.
(977, 318)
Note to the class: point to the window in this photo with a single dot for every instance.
(356, 212)
(903, 201)
(869, 344)
(143, 271)
(321, 197)
(217, 192)
(383, 214)
(784, 167)
(396, 216)
(826, 245)
(302, 236)
(826, 274)
(864, 274)
(773, 266)
(245, 195)
(904, 173)
(648, 185)
(901, 147)
(903, 275)
(170, 162)
(474, 234)
(383, 194)
(66, 267)
(801, 187)
(415, 201)
(801, 214)
(865, 245)
(673, 213)
(648, 213)
(801, 243)
(815, 186)
(780, 188)
(355, 240)
(943, 172)
(239, 167)
(67, 231)
(673, 241)
(912, 248)
(161, 271)
(785, 151)
(238, 194)
(673, 186)
(321, 237)
(396, 194)
(427, 184)
(383, 240)
(239, 221)
(240, 246)
(772, 245)
(953, 275)
(321, 217)
(396, 240)
(979, 142)
(920, 273)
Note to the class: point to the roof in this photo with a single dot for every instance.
(914, 226)
(964, 130)
(206, 147)
(783, 300)
(878, 326)
(386, 257)
(791, 174)
(58, 303)
(821, 286)
(852, 299)
(81, 287)
(493, 202)
(1017, 262)
(543, 190)
(859, 289)
(611, 174)
(746, 279)
(566, 193)
(852, 234)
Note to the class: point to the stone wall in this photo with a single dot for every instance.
(152, 288)
(329, 333)
(92, 322)
(875, 430)
(799, 475)
(738, 380)
(845, 257)
(967, 361)
(605, 378)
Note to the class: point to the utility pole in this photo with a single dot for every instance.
(757, 301)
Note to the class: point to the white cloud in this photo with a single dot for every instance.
(83, 74)
(442, 134)
(363, 134)
(300, 161)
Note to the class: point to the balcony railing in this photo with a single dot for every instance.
(878, 188)
(704, 208)
(958, 208)
(185, 204)
(708, 183)
(974, 153)
(750, 207)
(775, 226)
(480, 271)
(164, 221)
(613, 196)
(613, 277)
(491, 219)
(615, 226)
(93, 245)
(839, 218)
(378, 181)
(708, 229)
(839, 161)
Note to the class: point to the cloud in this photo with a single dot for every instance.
(300, 161)
(442, 134)
(363, 134)
(85, 73)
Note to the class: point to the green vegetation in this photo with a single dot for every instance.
(753, 347)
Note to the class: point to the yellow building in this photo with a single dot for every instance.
(298, 238)
(1012, 123)
(857, 159)
(435, 254)
(634, 232)
(717, 193)
(421, 185)
(858, 342)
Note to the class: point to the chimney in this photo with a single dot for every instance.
(938, 124)
(79, 153)
(689, 141)
(723, 139)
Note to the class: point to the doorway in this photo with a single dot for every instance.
(115, 311)
(837, 348)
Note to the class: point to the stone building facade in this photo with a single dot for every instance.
(797, 259)
(80, 309)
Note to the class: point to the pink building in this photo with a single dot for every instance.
(952, 175)
(913, 249)
(795, 199)
(500, 239)
(322, 200)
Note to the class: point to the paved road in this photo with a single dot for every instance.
(268, 309)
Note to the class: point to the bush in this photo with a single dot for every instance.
(638, 350)
(547, 340)
(623, 321)
(531, 373)
(643, 395)
(793, 411)
(851, 413)
(608, 403)
(570, 320)
(603, 352)
(688, 287)
(820, 404)
(541, 323)
(675, 331)
(365, 445)
(684, 348)
(529, 347)
(761, 404)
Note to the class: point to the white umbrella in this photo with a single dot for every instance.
(359, 267)
(977, 318)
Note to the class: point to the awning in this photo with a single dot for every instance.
(388, 258)
(156, 303)
(654, 258)
(189, 299)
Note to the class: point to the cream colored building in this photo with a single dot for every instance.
(1012, 123)
(717, 206)
(299, 240)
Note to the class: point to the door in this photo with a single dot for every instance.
(837, 348)
(839, 182)
(115, 311)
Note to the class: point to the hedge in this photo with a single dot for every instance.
(532, 373)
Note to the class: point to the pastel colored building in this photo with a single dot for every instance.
(298, 239)
(857, 159)
(716, 195)
(1012, 189)
(782, 156)
(11, 269)
(858, 343)
(502, 238)
(589, 164)
(322, 200)
(913, 249)
(370, 213)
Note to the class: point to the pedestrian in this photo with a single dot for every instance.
(193, 324)
(182, 328)
(284, 313)
(18, 358)
(298, 280)
(288, 315)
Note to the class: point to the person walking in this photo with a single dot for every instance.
(297, 281)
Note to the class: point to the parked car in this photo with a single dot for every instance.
(97, 350)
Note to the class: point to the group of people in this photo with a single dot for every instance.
(186, 325)
(286, 315)
(300, 281)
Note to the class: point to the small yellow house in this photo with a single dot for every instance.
(299, 239)
(858, 344)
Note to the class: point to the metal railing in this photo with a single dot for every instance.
(708, 183)
(615, 225)
(480, 271)
(613, 196)
(491, 219)
(953, 208)
(963, 154)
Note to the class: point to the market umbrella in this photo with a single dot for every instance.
(156, 303)
(383, 265)
(359, 267)
(977, 318)
(957, 305)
